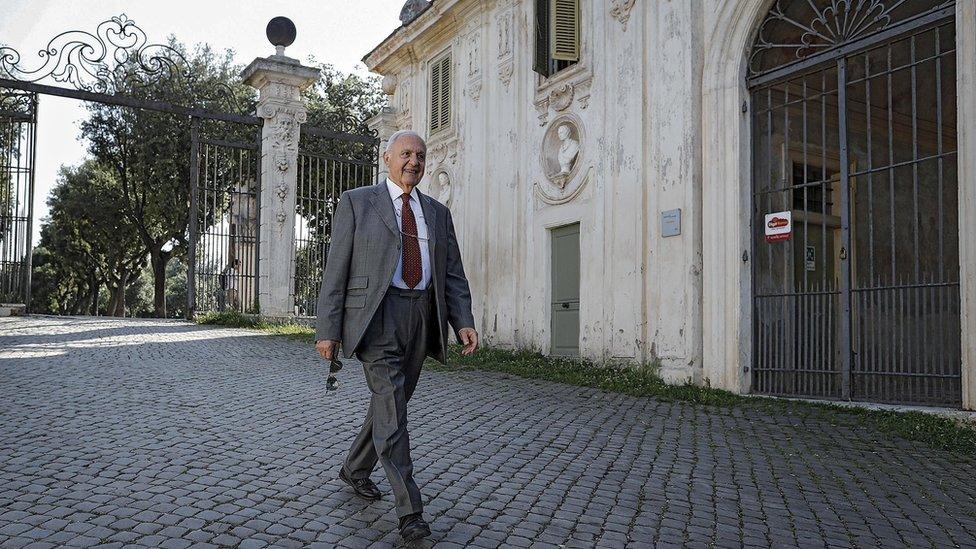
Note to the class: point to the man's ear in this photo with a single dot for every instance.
(386, 158)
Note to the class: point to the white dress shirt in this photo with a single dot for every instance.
(418, 214)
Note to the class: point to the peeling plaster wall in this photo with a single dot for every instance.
(636, 96)
(659, 94)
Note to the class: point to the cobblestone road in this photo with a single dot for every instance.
(165, 434)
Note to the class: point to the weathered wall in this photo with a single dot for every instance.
(662, 105)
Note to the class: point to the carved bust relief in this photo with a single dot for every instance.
(441, 187)
(561, 150)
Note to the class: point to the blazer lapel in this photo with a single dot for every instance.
(384, 206)
(430, 215)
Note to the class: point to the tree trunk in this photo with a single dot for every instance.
(120, 298)
(93, 305)
(113, 298)
(159, 259)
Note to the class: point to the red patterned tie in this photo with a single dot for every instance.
(412, 265)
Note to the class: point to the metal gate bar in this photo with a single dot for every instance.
(224, 225)
(908, 341)
(329, 163)
(18, 139)
(863, 301)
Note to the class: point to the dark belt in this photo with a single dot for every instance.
(413, 294)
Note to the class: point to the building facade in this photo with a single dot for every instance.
(613, 168)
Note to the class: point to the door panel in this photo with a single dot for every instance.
(565, 290)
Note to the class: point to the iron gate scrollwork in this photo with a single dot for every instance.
(117, 66)
(854, 111)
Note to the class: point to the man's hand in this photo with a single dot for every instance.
(469, 338)
(327, 348)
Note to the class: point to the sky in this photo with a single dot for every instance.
(339, 32)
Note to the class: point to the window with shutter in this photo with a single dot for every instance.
(440, 93)
(564, 39)
(542, 60)
(557, 36)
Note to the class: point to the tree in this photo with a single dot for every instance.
(63, 282)
(149, 151)
(86, 220)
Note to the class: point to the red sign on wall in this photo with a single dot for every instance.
(779, 226)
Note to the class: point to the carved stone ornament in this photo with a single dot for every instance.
(506, 70)
(582, 91)
(474, 87)
(474, 54)
(542, 107)
(444, 151)
(562, 97)
(389, 84)
(504, 22)
(555, 197)
(285, 122)
(620, 10)
(403, 100)
(441, 186)
(562, 150)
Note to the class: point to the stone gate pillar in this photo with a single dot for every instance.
(384, 126)
(280, 81)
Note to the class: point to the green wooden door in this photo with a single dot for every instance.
(565, 290)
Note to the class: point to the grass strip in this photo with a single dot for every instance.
(936, 431)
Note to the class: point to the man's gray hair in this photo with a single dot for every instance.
(400, 133)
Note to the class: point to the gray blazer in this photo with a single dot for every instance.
(363, 255)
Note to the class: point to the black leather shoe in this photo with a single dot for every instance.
(413, 527)
(364, 487)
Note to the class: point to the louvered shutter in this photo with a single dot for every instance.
(445, 91)
(542, 37)
(435, 96)
(564, 30)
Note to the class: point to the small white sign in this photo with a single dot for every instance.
(779, 226)
(671, 223)
(811, 258)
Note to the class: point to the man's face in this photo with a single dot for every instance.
(406, 160)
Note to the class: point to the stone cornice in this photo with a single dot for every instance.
(442, 18)
(265, 70)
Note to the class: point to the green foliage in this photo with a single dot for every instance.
(340, 103)
(138, 295)
(149, 151)
(176, 288)
(234, 319)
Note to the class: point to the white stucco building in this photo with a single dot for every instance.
(613, 203)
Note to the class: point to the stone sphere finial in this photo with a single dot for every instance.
(411, 9)
(281, 33)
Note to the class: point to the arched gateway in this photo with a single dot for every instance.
(855, 271)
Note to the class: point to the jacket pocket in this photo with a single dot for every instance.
(357, 283)
(355, 301)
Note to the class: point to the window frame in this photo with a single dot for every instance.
(444, 59)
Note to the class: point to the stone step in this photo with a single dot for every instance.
(12, 309)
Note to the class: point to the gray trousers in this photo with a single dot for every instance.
(392, 351)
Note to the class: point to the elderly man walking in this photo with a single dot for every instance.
(392, 283)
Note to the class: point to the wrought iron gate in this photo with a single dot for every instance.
(225, 217)
(224, 155)
(329, 163)
(854, 143)
(18, 123)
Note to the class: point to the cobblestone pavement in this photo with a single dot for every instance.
(165, 434)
